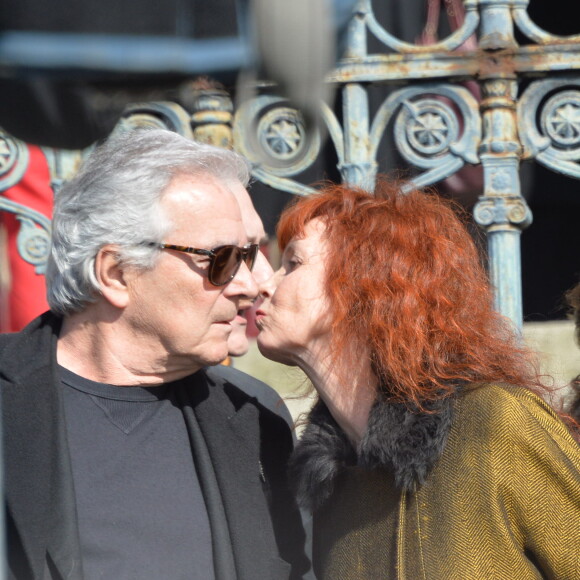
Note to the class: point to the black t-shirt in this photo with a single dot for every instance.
(140, 508)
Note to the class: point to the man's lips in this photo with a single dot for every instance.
(241, 317)
(227, 320)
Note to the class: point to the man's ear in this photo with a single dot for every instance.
(111, 276)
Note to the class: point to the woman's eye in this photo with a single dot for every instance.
(291, 264)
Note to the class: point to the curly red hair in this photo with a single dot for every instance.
(404, 274)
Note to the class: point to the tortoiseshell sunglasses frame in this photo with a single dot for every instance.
(247, 253)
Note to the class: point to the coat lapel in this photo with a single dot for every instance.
(37, 477)
(230, 425)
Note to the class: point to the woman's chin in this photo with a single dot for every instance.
(273, 353)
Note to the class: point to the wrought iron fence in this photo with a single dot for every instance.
(528, 106)
(438, 125)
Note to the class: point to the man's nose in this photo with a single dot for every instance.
(243, 283)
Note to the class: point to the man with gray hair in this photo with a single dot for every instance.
(124, 458)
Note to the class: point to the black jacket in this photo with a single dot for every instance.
(240, 443)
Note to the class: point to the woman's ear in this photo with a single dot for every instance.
(111, 276)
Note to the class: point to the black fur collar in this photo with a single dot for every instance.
(405, 442)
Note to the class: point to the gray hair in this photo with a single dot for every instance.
(115, 199)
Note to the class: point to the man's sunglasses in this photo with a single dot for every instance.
(225, 261)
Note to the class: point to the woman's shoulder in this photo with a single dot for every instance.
(503, 394)
(513, 412)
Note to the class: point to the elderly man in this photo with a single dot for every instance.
(124, 459)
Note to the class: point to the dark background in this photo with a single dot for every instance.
(28, 102)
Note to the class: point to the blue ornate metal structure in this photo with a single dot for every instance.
(34, 233)
(437, 124)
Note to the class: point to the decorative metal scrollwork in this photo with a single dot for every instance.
(365, 11)
(549, 123)
(437, 127)
(34, 234)
(282, 133)
(158, 115)
(14, 159)
(531, 30)
(274, 137)
(501, 211)
(430, 126)
(560, 119)
(33, 244)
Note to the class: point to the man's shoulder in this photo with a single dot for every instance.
(29, 348)
(263, 393)
(6, 338)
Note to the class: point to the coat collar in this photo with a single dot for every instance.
(37, 342)
(402, 440)
(34, 440)
(231, 425)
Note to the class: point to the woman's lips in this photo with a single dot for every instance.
(260, 315)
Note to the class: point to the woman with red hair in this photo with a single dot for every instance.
(430, 452)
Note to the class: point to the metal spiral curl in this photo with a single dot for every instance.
(531, 30)
(455, 40)
(425, 130)
(549, 124)
(437, 127)
(33, 236)
(14, 159)
(155, 115)
(502, 211)
(33, 244)
(274, 137)
(560, 121)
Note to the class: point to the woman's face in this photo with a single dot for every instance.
(294, 319)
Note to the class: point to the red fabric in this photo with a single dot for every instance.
(26, 297)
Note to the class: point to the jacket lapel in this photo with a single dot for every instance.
(230, 426)
(37, 477)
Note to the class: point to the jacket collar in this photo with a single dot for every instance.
(38, 476)
(230, 425)
(402, 440)
(35, 344)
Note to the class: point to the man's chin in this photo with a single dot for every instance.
(238, 347)
(238, 344)
(215, 357)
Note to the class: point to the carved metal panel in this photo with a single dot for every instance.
(438, 125)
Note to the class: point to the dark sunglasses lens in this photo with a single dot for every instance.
(251, 255)
(225, 265)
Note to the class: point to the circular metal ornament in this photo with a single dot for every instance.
(14, 159)
(560, 119)
(33, 243)
(155, 115)
(282, 133)
(425, 129)
(274, 136)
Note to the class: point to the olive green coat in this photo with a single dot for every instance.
(501, 501)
